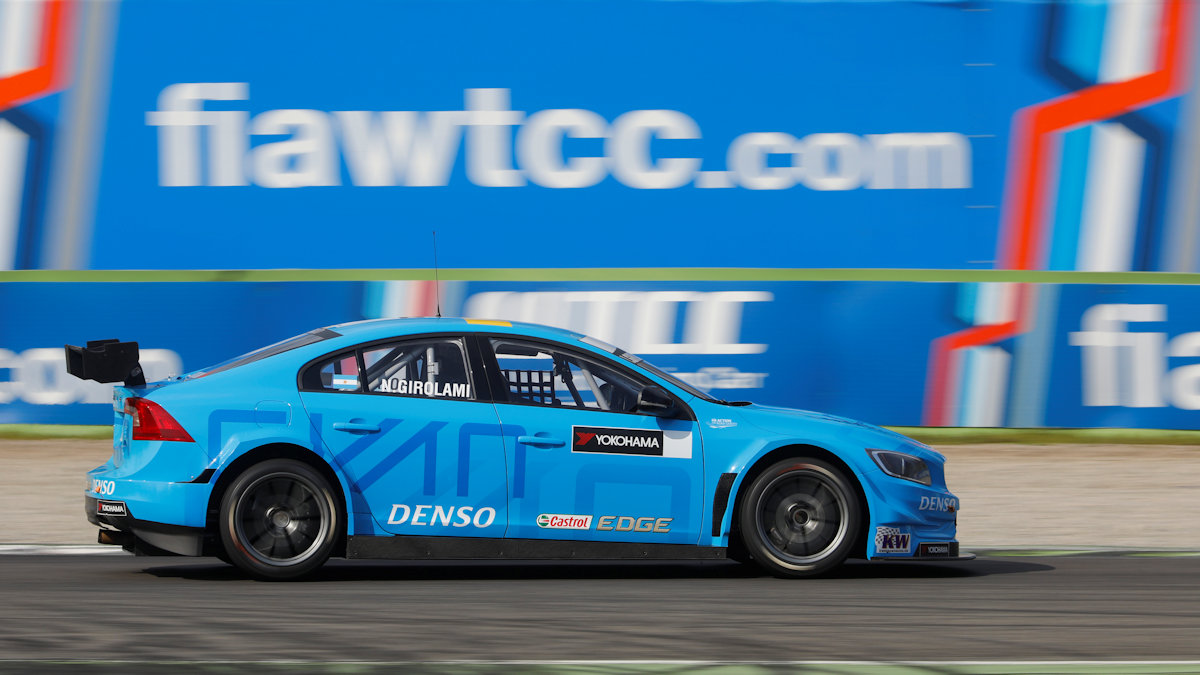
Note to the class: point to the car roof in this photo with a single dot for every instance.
(384, 328)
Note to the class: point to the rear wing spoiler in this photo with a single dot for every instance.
(106, 361)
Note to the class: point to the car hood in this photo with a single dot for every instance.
(791, 421)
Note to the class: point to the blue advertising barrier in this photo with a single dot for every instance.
(1093, 355)
(202, 134)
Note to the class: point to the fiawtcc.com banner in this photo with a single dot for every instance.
(539, 133)
(1093, 356)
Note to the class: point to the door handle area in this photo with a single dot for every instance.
(356, 427)
(541, 441)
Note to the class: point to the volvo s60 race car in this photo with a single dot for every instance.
(439, 439)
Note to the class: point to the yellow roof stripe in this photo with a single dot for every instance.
(489, 322)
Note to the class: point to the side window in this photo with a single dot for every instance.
(339, 373)
(433, 368)
(542, 375)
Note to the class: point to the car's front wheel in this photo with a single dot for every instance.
(279, 520)
(799, 518)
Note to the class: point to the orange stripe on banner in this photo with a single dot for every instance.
(1025, 199)
(51, 73)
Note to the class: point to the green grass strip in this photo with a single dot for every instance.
(605, 668)
(46, 431)
(930, 435)
(971, 435)
(605, 274)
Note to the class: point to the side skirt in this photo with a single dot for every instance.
(475, 548)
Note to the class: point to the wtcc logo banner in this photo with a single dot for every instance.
(201, 145)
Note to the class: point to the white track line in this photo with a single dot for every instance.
(50, 549)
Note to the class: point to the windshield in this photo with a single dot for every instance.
(311, 337)
(643, 363)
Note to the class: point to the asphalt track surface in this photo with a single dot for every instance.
(1073, 608)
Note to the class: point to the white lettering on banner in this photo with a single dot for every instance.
(309, 157)
(1129, 368)
(723, 378)
(539, 148)
(424, 515)
(641, 321)
(398, 147)
(411, 148)
(37, 376)
(181, 115)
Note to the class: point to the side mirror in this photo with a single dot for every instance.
(655, 401)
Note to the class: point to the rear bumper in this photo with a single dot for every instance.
(119, 526)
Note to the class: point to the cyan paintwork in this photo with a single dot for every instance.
(427, 452)
(440, 453)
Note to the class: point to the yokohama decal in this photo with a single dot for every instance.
(617, 441)
(107, 508)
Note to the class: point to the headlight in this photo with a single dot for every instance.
(901, 465)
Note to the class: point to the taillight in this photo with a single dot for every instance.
(152, 423)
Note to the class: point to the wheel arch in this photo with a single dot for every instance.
(796, 450)
(275, 451)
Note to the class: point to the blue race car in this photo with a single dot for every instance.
(439, 439)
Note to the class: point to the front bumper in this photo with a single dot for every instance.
(930, 551)
(118, 525)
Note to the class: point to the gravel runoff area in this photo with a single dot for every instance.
(1039, 496)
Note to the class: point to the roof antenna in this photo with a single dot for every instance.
(437, 287)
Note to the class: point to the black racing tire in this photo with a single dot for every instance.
(799, 518)
(279, 520)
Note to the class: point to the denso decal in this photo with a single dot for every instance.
(104, 508)
(631, 524)
(892, 540)
(103, 487)
(948, 504)
(559, 521)
(424, 515)
(433, 389)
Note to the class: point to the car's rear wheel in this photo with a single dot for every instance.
(279, 520)
(799, 518)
